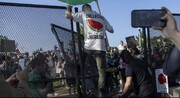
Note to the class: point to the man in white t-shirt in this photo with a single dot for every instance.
(94, 26)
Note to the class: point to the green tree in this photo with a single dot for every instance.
(6, 38)
(139, 39)
(157, 40)
(3, 37)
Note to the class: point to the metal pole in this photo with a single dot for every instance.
(139, 38)
(149, 48)
(81, 57)
(6, 66)
(74, 56)
(145, 47)
(98, 6)
(106, 39)
(66, 59)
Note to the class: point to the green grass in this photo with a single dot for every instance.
(57, 84)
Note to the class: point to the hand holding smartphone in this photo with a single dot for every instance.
(147, 18)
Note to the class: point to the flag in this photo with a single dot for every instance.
(161, 81)
(77, 2)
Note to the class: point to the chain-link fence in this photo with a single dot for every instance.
(29, 25)
(65, 36)
(31, 28)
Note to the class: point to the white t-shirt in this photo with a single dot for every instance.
(95, 26)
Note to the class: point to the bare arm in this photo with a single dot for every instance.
(170, 30)
(176, 40)
(127, 85)
(68, 15)
(68, 12)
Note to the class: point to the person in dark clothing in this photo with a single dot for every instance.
(109, 75)
(157, 60)
(137, 76)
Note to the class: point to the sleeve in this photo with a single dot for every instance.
(108, 26)
(172, 64)
(22, 89)
(78, 17)
(129, 71)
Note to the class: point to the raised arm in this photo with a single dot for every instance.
(109, 28)
(170, 30)
(68, 12)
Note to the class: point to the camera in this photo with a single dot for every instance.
(147, 18)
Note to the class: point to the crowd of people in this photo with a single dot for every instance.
(45, 66)
(116, 67)
(40, 68)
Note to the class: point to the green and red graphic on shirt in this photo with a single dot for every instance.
(95, 25)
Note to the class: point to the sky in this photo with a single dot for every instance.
(117, 12)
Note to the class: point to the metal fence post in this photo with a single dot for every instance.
(81, 57)
(74, 56)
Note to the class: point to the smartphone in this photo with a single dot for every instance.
(147, 18)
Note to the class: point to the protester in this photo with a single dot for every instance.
(8, 65)
(121, 46)
(114, 62)
(109, 75)
(70, 73)
(95, 26)
(122, 68)
(137, 77)
(171, 65)
(60, 70)
(3, 66)
(39, 73)
(157, 60)
(136, 53)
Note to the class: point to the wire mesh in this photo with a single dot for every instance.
(65, 36)
(29, 25)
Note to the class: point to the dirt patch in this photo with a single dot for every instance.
(62, 90)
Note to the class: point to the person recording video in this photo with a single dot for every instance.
(171, 66)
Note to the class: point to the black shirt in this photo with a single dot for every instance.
(141, 78)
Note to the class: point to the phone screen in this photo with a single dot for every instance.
(147, 18)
